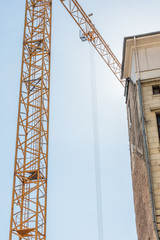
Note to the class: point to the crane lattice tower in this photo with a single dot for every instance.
(29, 199)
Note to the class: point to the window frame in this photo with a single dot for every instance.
(156, 88)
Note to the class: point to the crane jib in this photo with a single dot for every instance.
(91, 34)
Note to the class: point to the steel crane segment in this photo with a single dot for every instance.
(29, 198)
(93, 36)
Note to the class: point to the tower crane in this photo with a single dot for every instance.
(29, 197)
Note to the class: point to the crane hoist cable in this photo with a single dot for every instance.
(96, 144)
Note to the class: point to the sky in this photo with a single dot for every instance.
(71, 176)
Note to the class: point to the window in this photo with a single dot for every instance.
(158, 124)
(156, 89)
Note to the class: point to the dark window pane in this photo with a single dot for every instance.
(158, 124)
(156, 89)
(158, 119)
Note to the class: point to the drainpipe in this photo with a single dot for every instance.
(145, 145)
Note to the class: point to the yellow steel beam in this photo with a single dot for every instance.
(93, 36)
(29, 199)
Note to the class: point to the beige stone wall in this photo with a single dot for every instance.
(142, 202)
(151, 106)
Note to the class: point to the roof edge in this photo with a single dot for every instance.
(131, 37)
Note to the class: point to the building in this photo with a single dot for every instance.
(141, 69)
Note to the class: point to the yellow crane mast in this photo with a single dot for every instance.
(91, 34)
(29, 199)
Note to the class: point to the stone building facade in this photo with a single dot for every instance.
(141, 69)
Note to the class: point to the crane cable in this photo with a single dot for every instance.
(96, 143)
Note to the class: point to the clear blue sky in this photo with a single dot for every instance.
(71, 185)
